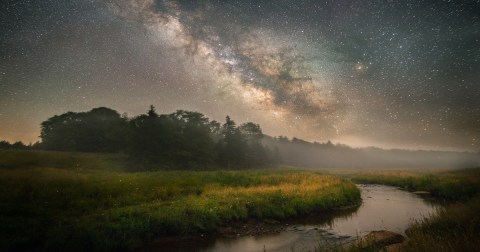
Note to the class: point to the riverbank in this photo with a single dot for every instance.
(455, 185)
(316, 232)
(54, 200)
(455, 227)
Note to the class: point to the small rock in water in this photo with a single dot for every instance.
(422, 193)
(380, 238)
(397, 247)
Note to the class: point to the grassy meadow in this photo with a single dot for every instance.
(82, 201)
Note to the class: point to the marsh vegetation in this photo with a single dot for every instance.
(73, 201)
(455, 227)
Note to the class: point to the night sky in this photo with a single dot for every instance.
(393, 74)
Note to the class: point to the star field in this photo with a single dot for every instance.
(395, 74)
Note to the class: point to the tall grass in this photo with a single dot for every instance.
(453, 228)
(53, 204)
(451, 185)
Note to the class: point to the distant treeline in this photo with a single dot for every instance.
(189, 140)
(19, 145)
(183, 139)
(297, 152)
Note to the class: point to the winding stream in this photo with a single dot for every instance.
(383, 208)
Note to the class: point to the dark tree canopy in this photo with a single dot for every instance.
(183, 139)
(232, 145)
(4, 145)
(99, 130)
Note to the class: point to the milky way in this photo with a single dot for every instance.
(400, 74)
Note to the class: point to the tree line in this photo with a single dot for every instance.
(19, 145)
(183, 139)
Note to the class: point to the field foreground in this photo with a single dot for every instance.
(51, 200)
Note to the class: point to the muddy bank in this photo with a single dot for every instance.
(250, 228)
(197, 242)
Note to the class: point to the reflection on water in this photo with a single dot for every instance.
(279, 242)
(383, 207)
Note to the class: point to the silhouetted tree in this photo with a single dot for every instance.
(19, 145)
(183, 139)
(99, 130)
(252, 132)
(255, 153)
(4, 145)
(150, 138)
(151, 112)
(194, 146)
(232, 145)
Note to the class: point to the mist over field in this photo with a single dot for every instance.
(240, 125)
(328, 155)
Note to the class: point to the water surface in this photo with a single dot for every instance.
(383, 208)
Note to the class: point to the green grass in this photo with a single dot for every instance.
(453, 228)
(451, 185)
(54, 200)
